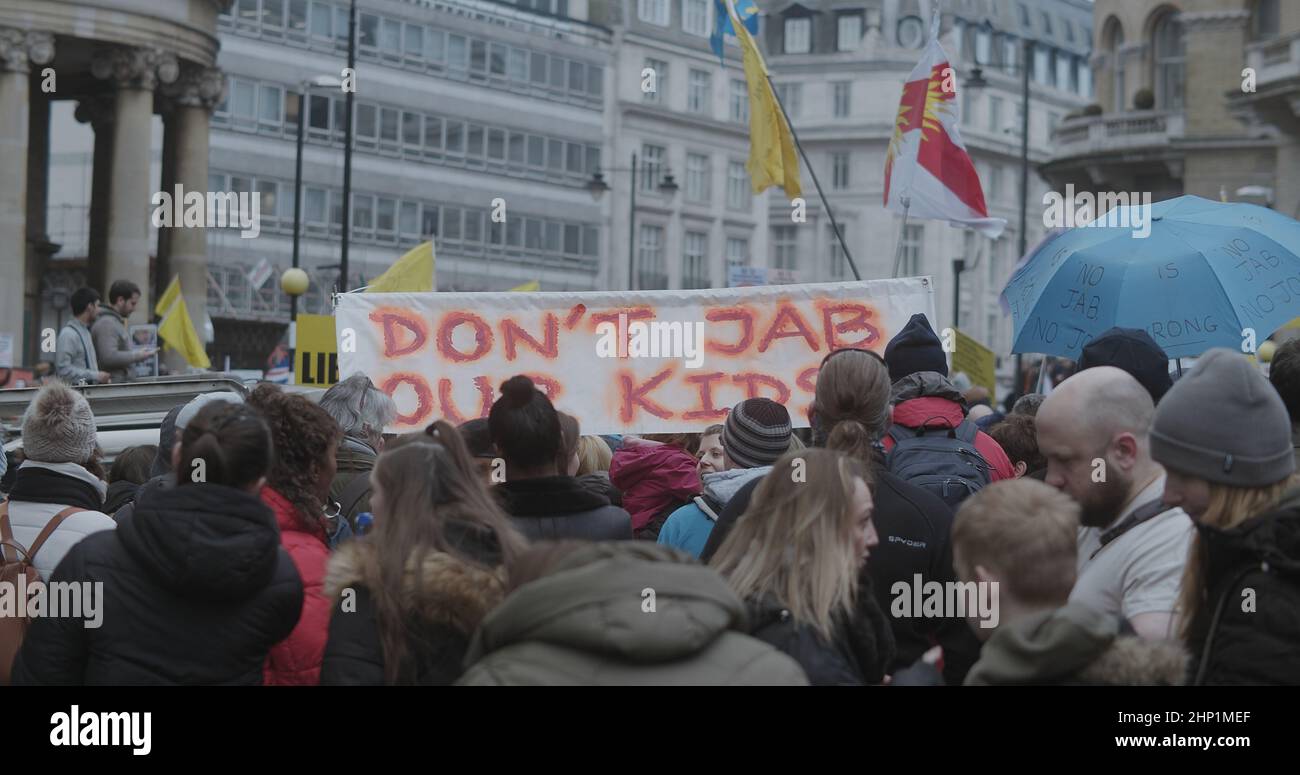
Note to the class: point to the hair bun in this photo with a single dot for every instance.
(518, 390)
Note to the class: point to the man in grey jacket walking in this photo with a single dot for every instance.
(112, 344)
(75, 361)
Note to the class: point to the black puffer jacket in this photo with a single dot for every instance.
(1248, 628)
(443, 601)
(554, 507)
(196, 590)
(859, 653)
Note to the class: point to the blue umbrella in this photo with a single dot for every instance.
(1206, 275)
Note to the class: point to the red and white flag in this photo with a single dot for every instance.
(927, 169)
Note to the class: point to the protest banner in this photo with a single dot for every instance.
(977, 361)
(316, 359)
(620, 361)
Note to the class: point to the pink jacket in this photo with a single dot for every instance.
(652, 478)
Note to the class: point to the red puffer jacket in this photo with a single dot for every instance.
(652, 478)
(296, 660)
(937, 412)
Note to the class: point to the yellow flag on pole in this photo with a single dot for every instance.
(177, 330)
(773, 160)
(413, 272)
(169, 296)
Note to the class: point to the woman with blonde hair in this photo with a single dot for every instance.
(409, 595)
(1224, 437)
(798, 561)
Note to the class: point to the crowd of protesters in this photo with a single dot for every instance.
(1135, 529)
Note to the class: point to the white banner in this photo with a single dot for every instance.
(620, 361)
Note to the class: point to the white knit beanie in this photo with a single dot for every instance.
(58, 426)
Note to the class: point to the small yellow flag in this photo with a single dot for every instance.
(531, 285)
(412, 273)
(773, 160)
(170, 295)
(177, 330)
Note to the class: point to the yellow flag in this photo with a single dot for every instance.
(773, 160)
(411, 273)
(177, 330)
(170, 295)
(531, 285)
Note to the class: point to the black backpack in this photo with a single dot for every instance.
(941, 460)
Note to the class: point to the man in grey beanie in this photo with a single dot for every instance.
(1093, 430)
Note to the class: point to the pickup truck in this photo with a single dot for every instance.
(130, 413)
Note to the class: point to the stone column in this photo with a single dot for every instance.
(39, 247)
(19, 49)
(135, 73)
(98, 112)
(193, 96)
(1215, 41)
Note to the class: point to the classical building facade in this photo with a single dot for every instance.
(1177, 111)
(120, 63)
(839, 68)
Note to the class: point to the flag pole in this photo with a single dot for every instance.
(816, 184)
(898, 248)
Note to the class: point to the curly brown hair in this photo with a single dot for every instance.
(303, 435)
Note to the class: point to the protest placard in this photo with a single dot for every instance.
(621, 361)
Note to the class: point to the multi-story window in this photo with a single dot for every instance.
(1266, 21)
(838, 268)
(652, 163)
(913, 236)
(840, 98)
(653, 85)
(1171, 62)
(791, 95)
(737, 251)
(785, 247)
(983, 45)
(798, 35)
(739, 101)
(995, 114)
(739, 196)
(1047, 23)
(695, 268)
(653, 11)
(698, 91)
(848, 32)
(911, 32)
(994, 192)
(1069, 31)
(840, 170)
(697, 177)
(1010, 51)
(1024, 15)
(651, 271)
(1063, 80)
(695, 17)
(1043, 72)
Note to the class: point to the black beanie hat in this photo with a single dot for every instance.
(1134, 351)
(915, 348)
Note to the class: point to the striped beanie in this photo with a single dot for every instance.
(756, 433)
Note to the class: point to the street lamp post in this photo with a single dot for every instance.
(977, 82)
(597, 186)
(319, 82)
(349, 99)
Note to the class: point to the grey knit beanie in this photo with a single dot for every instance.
(1224, 423)
(58, 426)
(756, 432)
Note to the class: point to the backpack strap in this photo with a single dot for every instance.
(7, 534)
(708, 506)
(48, 530)
(352, 494)
(898, 433)
(967, 431)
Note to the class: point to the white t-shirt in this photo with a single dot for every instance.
(1140, 571)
